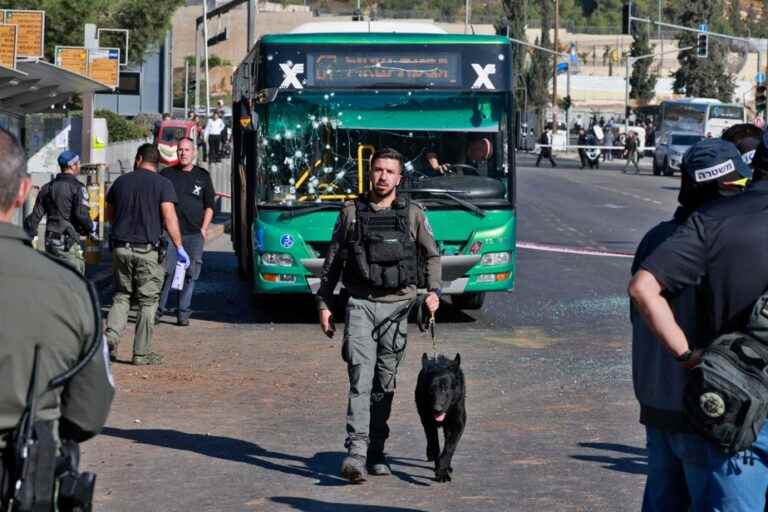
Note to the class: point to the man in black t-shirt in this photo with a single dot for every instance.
(194, 209)
(138, 205)
(719, 252)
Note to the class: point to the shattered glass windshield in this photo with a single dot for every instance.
(315, 146)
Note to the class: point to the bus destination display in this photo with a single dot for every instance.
(380, 69)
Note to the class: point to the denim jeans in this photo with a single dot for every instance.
(686, 470)
(193, 244)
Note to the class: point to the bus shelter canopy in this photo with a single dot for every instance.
(36, 85)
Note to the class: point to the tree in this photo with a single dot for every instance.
(514, 22)
(147, 20)
(643, 80)
(540, 70)
(697, 76)
(734, 18)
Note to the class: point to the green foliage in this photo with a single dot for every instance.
(213, 61)
(702, 77)
(643, 80)
(514, 21)
(147, 20)
(540, 70)
(119, 127)
(734, 17)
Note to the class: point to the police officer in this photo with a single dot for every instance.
(377, 243)
(194, 209)
(64, 201)
(659, 379)
(139, 204)
(44, 303)
(713, 269)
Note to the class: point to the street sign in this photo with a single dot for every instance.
(760, 78)
(8, 46)
(104, 65)
(703, 27)
(31, 31)
(72, 58)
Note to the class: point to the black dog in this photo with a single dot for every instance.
(440, 402)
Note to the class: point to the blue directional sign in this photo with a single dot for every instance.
(760, 78)
(703, 27)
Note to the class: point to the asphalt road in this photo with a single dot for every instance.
(248, 412)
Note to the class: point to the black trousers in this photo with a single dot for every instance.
(214, 147)
(549, 156)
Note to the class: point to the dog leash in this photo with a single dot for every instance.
(433, 334)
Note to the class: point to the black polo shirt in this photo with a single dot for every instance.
(723, 250)
(136, 198)
(194, 189)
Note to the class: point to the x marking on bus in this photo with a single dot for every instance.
(483, 76)
(290, 75)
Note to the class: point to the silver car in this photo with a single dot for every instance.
(670, 149)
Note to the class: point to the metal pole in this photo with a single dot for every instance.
(90, 41)
(467, 7)
(205, 56)
(186, 86)
(626, 95)
(251, 25)
(555, 48)
(661, 41)
(568, 95)
(197, 69)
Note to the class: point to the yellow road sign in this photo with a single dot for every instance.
(72, 58)
(31, 31)
(104, 65)
(8, 46)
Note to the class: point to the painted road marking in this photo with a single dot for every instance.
(572, 250)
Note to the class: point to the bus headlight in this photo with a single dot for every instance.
(495, 258)
(277, 258)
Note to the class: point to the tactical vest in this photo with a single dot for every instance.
(381, 252)
(56, 222)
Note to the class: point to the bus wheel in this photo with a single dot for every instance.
(473, 300)
(668, 171)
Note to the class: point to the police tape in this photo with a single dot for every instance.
(561, 147)
(563, 249)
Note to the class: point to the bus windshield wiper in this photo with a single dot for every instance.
(448, 194)
(294, 211)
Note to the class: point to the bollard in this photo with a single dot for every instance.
(94, 174)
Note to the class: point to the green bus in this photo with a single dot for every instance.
(309, 109)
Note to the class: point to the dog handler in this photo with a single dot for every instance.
(377, 244)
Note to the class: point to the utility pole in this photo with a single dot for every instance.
(186, 86)
(90, 42)
(205, 57)
(467, 15)
(556, 48)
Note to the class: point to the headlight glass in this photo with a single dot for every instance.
(277, 258)
(495, 258)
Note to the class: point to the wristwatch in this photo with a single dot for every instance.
(684, 357)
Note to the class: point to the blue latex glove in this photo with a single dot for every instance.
(182, 256)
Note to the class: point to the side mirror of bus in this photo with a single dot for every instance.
(266, 95)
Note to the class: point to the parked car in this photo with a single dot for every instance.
(670, 148)
(169, 133)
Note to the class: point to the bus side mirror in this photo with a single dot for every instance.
(266, 95)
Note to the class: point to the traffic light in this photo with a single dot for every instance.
(702, 43)
(626, 14)
(760, 98)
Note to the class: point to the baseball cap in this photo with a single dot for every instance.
(67, 158)
(747, 138)
(711, 168)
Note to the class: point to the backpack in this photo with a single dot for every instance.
(726, 396)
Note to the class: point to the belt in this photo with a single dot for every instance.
(134, 245)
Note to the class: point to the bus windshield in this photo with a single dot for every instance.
(726, 112)
(316, 145)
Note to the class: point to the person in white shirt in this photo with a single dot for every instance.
(213, 131)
